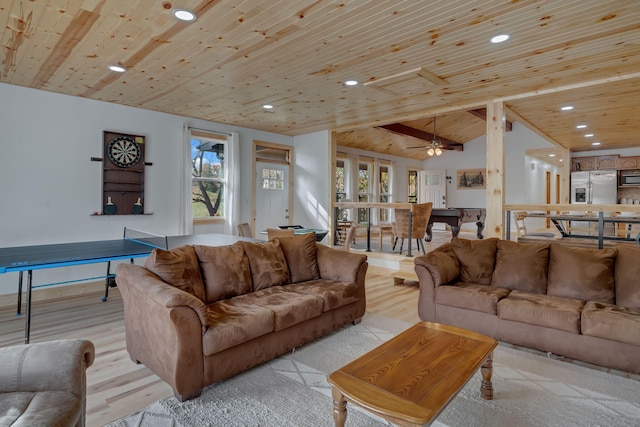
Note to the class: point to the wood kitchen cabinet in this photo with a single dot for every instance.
(583, 164)
(607, 162)
(592, 163)
(631, 162)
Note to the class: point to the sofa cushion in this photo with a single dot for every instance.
(301, 255)
(581, 273)
(225, 271)
(231, 323)
(42, 408)
(542, 310)
(289, 308)
(333, 294)
(442, 263)
(611, 322)
(267, 264)
(627, 272)
(477, 258)
(471, 296)
(178, 267)
(521, 267)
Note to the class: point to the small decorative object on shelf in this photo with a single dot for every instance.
(110, 208)
(137, 207)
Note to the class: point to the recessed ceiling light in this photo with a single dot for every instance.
(552, 155)
(117, 68)
(567, 108)
(500, 38)
(588, 135)
(267, 106)
(351, 82)
(595, 143)
(184, 15)
(581, 126)
(559, 160)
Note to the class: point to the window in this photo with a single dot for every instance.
(341, 188)
(412, 190)
(208, 175)
(364, 187)
(384, 191)
(272, 179)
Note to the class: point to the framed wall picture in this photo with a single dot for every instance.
(470, 179)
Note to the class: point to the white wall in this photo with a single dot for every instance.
(311, 186)
(49, 186)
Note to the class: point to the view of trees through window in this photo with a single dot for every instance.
(208, 177)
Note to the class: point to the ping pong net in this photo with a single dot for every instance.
(145, 238)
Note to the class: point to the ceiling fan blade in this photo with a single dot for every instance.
(417, 147)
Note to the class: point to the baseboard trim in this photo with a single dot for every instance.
(53, 293)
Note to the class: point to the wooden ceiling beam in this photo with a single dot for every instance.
(482, 114)
(401, 129)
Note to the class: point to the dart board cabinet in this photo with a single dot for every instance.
(123, 174)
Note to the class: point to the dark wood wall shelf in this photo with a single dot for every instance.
(123, 168)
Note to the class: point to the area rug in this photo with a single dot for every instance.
(529, 390)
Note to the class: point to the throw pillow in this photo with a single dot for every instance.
(301, 255)
(267, 264)
(627, 272)
(477, 259)
(177, 267)
(521, 266)
(581, 273)
(225, 271)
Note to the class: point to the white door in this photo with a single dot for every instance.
(272, 196)
(432, 187)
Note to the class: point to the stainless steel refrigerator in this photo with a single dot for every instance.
(594, 187)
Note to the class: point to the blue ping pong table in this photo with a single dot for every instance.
(29, 258)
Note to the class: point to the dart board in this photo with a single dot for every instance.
(124, 152)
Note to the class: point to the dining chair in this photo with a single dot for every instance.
(244, 230)
(521, 228)
(350, 237)
(420, 219)
(274, 233)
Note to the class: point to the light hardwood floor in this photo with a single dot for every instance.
(115, 385)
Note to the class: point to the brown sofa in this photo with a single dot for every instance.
(45, 384)
(196, 315)
(580, 303)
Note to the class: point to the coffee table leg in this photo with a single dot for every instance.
(487, 372)
(339, 407)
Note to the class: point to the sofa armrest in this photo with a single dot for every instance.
(48, 366)
(441, 263)
(164, 294)
(163, 328)
(435, 268)
(339, 265)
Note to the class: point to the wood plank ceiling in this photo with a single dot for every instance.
(414, 60)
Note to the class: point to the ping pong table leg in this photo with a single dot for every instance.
(106, 282)
(27, 325)
(19, 311)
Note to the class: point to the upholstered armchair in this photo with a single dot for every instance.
(44, 384)
(420, 219)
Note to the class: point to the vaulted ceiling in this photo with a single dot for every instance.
(414, 60)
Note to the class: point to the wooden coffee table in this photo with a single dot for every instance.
(411, 378)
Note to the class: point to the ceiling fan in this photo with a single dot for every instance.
(434, 148)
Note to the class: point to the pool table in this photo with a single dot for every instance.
(455, 217)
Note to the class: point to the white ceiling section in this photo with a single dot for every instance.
(413, 59)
